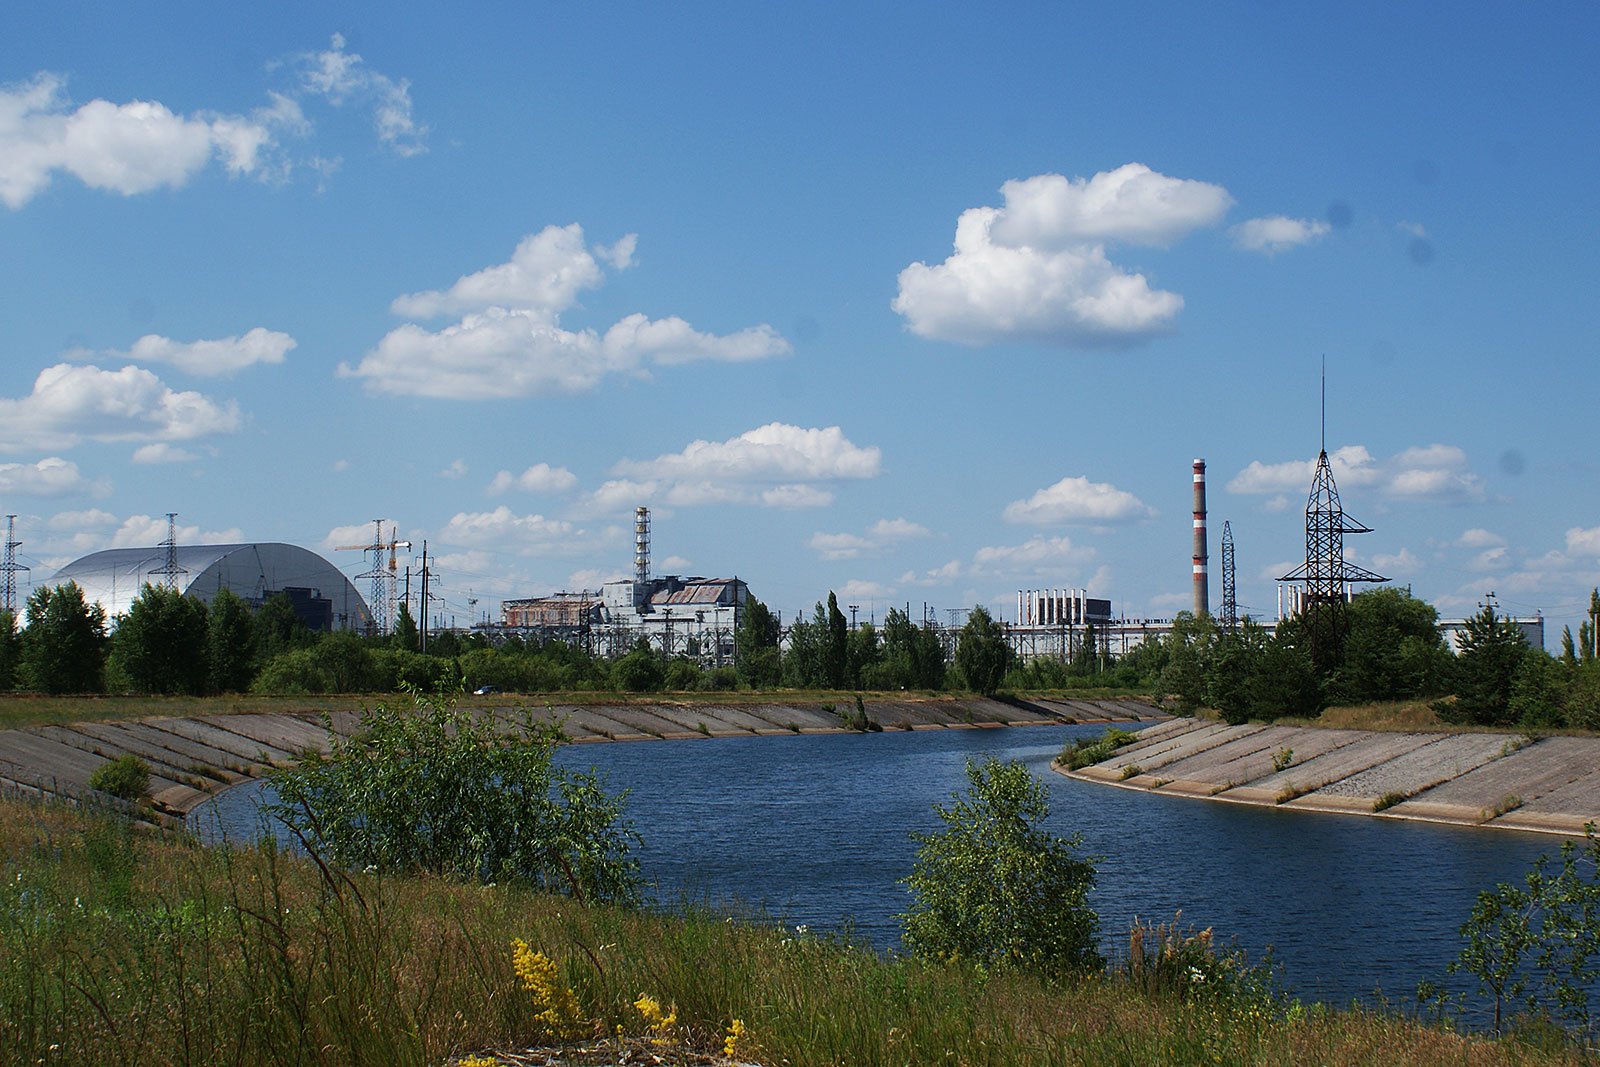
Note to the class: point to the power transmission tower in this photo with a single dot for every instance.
(9, 569)
(1326, 575)
(382, 575)
(170, 570)
(1230, 599)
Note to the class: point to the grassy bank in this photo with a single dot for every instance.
(131, 948)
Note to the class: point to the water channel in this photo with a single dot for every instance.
(814, 830)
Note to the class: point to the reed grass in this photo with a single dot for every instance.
(135, 948)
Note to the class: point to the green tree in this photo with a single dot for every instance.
(1188, 650)
(1491, 650)
(1392, 650)
(755, 646)
(230, 644)
(641, 670)
(64, 644)
(1539, 943)
(993, 888)
(982, 653)
(160, 644)
(836, 648)
(913, 656)
(1285, 682)
(1231, 669)
(10, 651)
(805, 664)
(439, 789)
(405, 630)
(864, 654)
(278, 629)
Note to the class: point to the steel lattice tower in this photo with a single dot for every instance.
(9, 569)
(1230, 599)
(1326, 575)
(382, 600)
(170, 569)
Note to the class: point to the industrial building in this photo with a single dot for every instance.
(322, 596)
(693, 617)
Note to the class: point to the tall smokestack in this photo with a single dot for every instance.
(641, 548)
(1202, 588)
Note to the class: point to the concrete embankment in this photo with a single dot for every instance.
(1510, 781)
(194, 757)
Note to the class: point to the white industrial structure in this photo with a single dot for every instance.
(680, 616)
(322, 596)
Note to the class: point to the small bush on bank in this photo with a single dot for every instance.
(1085, 753)
(127, 777)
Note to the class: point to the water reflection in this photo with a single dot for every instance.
(814, 830)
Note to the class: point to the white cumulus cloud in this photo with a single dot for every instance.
(882, 535)
(1277, 233)
(161, 452)
(1036, 268)
(776, 465)
(51, 476)
(70, 404)
(539, 478)
(1034, 558)
(503, 529)
(1078, 501)
(142, 531)
(509, 340)
(1434, 473)
(211, 358)
(1584, 542)
(128, 148)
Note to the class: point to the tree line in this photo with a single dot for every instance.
(171, 643)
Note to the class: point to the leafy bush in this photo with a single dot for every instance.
(993, 888)
(440, 789)
(127, 777)
(1081, 754)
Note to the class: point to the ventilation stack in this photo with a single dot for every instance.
(641, 553)
(1202, 587)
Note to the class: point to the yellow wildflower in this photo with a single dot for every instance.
(556, 1004)
(478, 1061)
(730, 1047)
(659, 1021)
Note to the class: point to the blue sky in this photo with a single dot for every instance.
(919, 303)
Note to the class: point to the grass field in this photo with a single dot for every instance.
(130, 948)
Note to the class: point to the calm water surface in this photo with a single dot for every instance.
(814, 830)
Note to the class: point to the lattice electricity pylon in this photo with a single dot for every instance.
(170, 570)
(382, 576)
(1230, 598)
(9, 569)
(1326, 575)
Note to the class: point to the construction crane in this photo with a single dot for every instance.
(381, 576)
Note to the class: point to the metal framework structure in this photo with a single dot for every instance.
(169, 569)
(383, 576)
(9, 569)
(1325, 573)
(1230, 598)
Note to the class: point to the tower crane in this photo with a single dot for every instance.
(381, 576)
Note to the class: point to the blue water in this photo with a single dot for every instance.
(814, 830)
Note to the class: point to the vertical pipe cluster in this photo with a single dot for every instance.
(1202, 588)
(641, 552)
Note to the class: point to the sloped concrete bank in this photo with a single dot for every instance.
(192, 758)
(1507, 781)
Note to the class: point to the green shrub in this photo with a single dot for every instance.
(126, 777)
(439, 789)
(1081, 754)
(994, 889)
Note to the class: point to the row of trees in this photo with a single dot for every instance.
(169, 643)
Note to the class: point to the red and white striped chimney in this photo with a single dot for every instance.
(1202, 587)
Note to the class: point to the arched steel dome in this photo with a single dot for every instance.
(323, 597)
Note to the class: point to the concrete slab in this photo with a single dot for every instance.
(1436, 758)
(1514, 779)
(245, 751)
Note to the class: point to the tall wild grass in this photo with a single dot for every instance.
(126, 947)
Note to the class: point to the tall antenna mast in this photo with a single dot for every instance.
(170, 569)
(1230, 599)
(9, 569)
